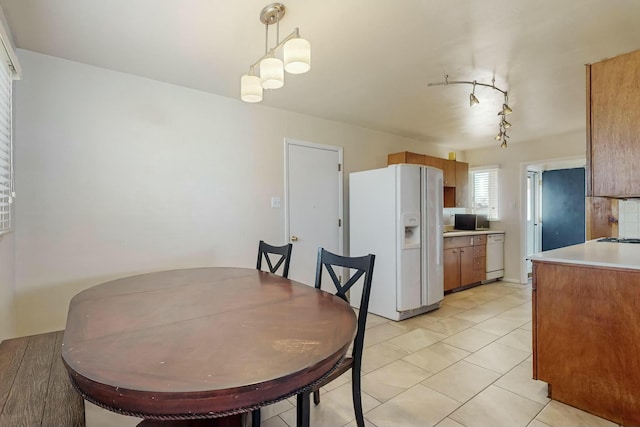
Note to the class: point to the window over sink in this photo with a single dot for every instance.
(483, 183)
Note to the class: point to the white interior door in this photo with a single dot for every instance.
(313, 204)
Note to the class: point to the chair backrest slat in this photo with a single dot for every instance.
(364, 267)
(265, 250)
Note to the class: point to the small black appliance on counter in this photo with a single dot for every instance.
(471, 222)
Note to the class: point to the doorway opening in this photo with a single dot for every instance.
(563, 197)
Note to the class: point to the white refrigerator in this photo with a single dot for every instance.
(396, 214)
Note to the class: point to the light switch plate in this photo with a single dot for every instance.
(275, 202)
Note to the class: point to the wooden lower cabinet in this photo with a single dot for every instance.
(464, 261)
(586, 337)
(451, 268)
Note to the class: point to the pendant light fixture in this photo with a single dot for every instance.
(296, 53)
(271, 73)
(250, 87)
(503, 125)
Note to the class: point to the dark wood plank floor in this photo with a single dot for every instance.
(34, 385)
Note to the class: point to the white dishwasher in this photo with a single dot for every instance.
(495, 256)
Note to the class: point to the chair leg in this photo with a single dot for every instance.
(316, 396)
(303, 410)
(255, 418)
(357, 399)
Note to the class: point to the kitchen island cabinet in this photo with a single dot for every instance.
(586, 333)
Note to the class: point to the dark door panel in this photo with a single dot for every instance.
(563, 208)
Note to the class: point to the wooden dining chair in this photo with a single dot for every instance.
(363, 267)
(265, 250)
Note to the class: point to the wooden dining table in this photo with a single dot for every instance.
(201, 346)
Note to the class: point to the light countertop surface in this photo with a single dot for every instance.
(594, 253)
(456, 233)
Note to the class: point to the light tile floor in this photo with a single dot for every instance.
(466, 364)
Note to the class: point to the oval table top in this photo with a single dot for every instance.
(199, 343)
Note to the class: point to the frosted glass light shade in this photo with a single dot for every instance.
(250, 88)
(272, 73)
(297, 56)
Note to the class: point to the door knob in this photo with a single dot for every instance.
(294, 238)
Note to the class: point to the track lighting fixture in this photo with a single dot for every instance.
(296, 58)
(473, 100)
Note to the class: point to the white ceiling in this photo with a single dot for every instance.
(371, 60)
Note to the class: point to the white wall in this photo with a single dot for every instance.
(512, 162)
(7, 324)
(117, 175)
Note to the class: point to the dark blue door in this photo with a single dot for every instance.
(563, 198)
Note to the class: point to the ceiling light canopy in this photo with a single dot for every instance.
(473, 100)
(296, 54)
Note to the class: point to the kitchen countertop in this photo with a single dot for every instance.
(594, 253)
(456, 233)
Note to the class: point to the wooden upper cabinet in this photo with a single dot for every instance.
(449, 172)
(405, 157)
(435, 162)
(455, 175)
(462, 184)
(613, 127)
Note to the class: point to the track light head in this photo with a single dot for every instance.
(472, 97)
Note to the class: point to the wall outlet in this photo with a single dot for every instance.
(275, 202)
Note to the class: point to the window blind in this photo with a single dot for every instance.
(6, 149)
(484, 185)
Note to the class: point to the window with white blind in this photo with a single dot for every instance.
(6, 149)
(484, 192)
